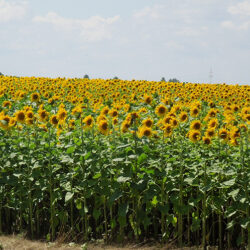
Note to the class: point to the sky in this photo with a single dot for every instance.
(132, 39)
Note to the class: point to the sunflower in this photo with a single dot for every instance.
(161, 110)
(12, 122)
(166, 120)
(105, 111)
(20, 116)
(174, 122)
(6, 104)
(194, 111)
(145, 131)
(115, 121)
(103, 127)
(54, 120)
(62, 114)
(147, 99)
(43, 114)
(89, 121)
(213, 123)
(29, 121)
(194, 135)
(125, 126)
(195, 125)
(35, 97)
(234, 132)
(76, 111)
(148, 122)
(30, 114)
(210, 132)
(166, 101)
(167, 130)
(113, 113)
(212, 113)
(223, 133)
(206, 140)
(183, 116)
(5, 121)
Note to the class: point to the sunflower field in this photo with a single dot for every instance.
(125, 160)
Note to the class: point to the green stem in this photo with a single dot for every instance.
(1, 226)
(204, 210)
(162, 213)
(30, 213)
(220, 231)
(51, 193)
(180, 217)
(37, 222)
(105, 218)
(85, 220)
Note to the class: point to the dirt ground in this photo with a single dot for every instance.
(19, 243)
(15, 242)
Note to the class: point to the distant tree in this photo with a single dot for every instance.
(163, 79)
(115, 77)
(1, 74)
(173, 80)
(86, 76)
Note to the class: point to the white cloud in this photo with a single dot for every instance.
(11, 10)
(242, 8)
(93, 29)
(232, 25)
(153, 12)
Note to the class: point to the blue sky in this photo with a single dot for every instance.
(132, 39)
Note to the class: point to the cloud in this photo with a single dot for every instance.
(95, 28)
(232, 25)
(241, 21)
(154, 12)
(242, 9)
(11, 10)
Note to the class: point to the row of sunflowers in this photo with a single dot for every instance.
(125, 159)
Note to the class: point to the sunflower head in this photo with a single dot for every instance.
(62, 114)
(43, 114)
(213, 123)
(194, 135)
(89, 121)
(148, 122)
(168, 130)
(20, 116)
(115, 121)
(196, 125)
(161, 110)
(35, 97)
(206, 140)
(30, 114)
(194, 111)
(210, 132)
(6, 104)
(125, 126)
(5, 121)
(174, 122)
(183, 116)
(54, 120)
(223, 133)
(145, 131)
(103, 127)
(147, 99)
(29, 121)
(113, 113)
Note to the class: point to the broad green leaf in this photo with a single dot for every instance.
(68, 196)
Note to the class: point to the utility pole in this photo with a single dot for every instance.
(211, 75)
